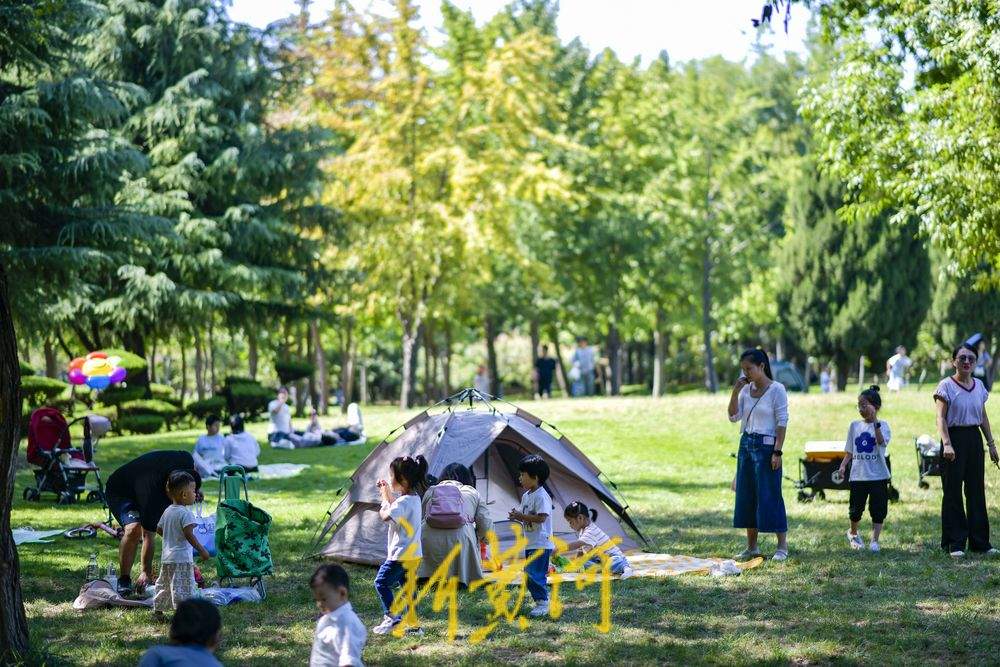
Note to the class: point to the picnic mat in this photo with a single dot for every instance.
(667, 565)
(25, 535)
(279, 470)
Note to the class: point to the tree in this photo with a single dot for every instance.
(964, 303)
(849, 290)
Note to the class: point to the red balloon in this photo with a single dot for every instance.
(77, 363)
(97, 355)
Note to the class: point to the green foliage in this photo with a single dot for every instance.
(140, 423)
(38, 390)
(132, 363)
(25, 368)
(247, 398)
(149, 407)
(290, 370)
(214, 405)
(118, 394)
(964, 304)
(163, 392)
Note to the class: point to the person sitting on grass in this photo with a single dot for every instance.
(210, 449)
(867, 440)
(590, 536)
(340, 636)
(176, 582)
(242, 449)
(280, 430)
(195, 634)
(535, 515)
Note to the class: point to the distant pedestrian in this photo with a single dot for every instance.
(545, 368)
(584, 358)
(984, 366)
(481, 382)
(896, 368)
(825, 385)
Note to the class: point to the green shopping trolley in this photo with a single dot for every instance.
(241, 533)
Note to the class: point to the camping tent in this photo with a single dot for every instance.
(490, 441)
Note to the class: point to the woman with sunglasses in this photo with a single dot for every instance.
(960, 400)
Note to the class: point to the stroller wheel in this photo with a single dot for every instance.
(95, 497)
(30, 493)
(65, 498)
(804, 497)
(924, 485)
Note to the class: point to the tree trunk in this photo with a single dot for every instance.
(51, 362)
(560, 366)
(152, 362)
(536, 343)
(13, 622)
(321, 373)
(362, 384)
(614, 361)
(311, 356)
(843, 370)
(252, 352)
(303, 348)
(199, 367)
(184, 371)
(347, 354)
(491, 354)
(418, 342)
(428, 344)
(411, 326)
(659, 353)
(211, 357)
(711, 380)
(135, 343)
(446, 361)
(433, 356)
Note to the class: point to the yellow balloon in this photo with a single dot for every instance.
(96, 366)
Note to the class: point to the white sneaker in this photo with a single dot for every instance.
(386, 626)
(780, 555)
(627, 572)
(875, 547)
(854, 539)
(958, 553)
(283, 444)
(540, 609)
(992, 552)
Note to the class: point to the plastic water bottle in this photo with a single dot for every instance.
(93, 571)
(112, 576)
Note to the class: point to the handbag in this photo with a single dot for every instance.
(204, 530)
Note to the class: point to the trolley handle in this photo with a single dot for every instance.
(228, 471)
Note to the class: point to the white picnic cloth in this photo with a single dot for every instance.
(279, 470)
(25, 535)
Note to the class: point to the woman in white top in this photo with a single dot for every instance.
(761, 405)
(960, 400)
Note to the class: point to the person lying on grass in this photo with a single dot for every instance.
(195, 634)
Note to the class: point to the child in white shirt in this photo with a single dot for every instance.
(176, 581)
(535, 515)
(340, 636)
(403, 514)
(590, 536)
(867, 441)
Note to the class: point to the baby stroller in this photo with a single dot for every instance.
(241, 533)
(819, 470)
(59, 467)
(928, 458)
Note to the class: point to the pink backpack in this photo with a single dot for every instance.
(445, 509)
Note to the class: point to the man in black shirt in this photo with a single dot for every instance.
(545, 367)
(137, 496)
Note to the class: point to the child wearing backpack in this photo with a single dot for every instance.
(867, 441)
(401, 510)
(590, 536)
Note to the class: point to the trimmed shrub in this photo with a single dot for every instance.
(39, 390)
(201, 409)
(149, 407)
(239, 379)
(246, 397)
(164, 392)
(142, 424)
(116, 395)
(290, 370)
(25, 368)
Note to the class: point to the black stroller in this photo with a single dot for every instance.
(819, 470)
(928, 458)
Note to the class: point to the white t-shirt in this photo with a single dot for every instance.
(538, 534)
(898, 364)
(212, 448)
(242, 449)
(868, 459)
(771, 410)
(965, 406)
(282, 421)
(339, 640)
(176, 548)
(593, 536)
(405, 508)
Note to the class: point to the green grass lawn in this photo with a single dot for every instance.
(671, 461)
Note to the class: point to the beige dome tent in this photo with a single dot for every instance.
(474, 432)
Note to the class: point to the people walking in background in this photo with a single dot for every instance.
(961, 417)
(584, 357)
(825, 384)
(896, 368)
(761, 405)
(984, 365)
(481, 382)
(545, 369)
(867, 441)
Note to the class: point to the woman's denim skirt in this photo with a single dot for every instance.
(758, 488)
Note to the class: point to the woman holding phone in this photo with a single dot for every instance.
(761, 405)
(960, 400)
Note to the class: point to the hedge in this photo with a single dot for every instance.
(247, 399)
(149, 407)
(143, 424)
(39, 390)
(162, 392)
(25, 368)
(116, 395)
(215, 405)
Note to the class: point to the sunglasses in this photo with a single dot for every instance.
(965, 357)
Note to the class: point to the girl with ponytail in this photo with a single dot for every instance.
(401, 509)
(590, 536)
(761, 406)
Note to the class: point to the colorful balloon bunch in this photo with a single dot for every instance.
(97, 370)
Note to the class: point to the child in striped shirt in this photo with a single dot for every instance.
(589, 534)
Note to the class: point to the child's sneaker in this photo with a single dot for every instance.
(875, 547)
(386, 626)
(854, 539)
(540, 609)
(957, 553)
(627, 572)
